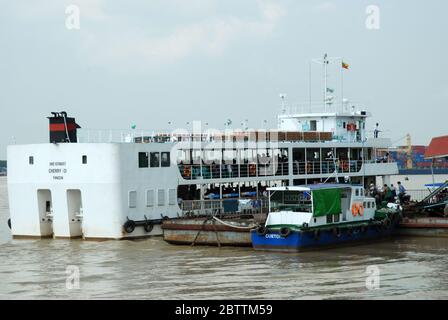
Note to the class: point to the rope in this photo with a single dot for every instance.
(66, 129)
(233, 226)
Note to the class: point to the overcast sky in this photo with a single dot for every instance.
(155, 61)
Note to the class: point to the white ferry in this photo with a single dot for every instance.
(115, 187)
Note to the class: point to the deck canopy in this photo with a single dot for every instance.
(438, 148)
(326, 199)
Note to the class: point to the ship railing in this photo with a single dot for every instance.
(229, 206)
(326, 167)
(419, 194)
(320, 107)
(226, 171)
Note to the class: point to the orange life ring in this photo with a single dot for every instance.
(355, 209)
(252, 169)
(360, 209)
(309, 167)
(187, 171)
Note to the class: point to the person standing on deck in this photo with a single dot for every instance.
(387, 193)
(393, 190)
(401, 192)
(376, 130)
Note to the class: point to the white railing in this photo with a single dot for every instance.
(106, 136)
(218, 206)
(319, 107)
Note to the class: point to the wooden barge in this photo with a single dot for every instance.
(424, 226)
(427, 217)
(211, 230)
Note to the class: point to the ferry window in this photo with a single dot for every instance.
(149, 198)
(356, 192)
(132, 200)
(329, 218)
(313, 125)
(165, 159)
(31, 160)
(161, 197)
(84, 159)
(364, 205)
(154, 159)
(336, 218)
(172, 197)
(343, 125)
(143, 159)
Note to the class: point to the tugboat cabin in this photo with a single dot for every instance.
(318, 205)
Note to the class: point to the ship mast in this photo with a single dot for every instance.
(325, 62)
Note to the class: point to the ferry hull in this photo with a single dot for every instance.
(304, 240)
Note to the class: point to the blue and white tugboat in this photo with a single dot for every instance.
(302, 217)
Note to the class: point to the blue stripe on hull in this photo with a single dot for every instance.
(300, 240)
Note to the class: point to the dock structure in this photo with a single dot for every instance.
(429, 217)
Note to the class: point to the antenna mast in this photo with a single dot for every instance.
(324, 62)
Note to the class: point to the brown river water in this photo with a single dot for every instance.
(408, 268)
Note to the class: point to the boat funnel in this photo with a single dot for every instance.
(62, 128)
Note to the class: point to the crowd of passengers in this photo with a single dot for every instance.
(388, 193)
(192, 192)
(264, 158)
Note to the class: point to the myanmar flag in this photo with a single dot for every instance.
(344, 65)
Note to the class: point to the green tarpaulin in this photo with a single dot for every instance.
(326, 201)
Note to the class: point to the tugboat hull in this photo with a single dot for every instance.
(299, 240)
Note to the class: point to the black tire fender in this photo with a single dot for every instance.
(148, 226)
(285, 232)
(261, 230)
(129, 226)
(336, 232)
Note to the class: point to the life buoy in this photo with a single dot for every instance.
(129, 226)
(360, 209)
(354, 209)
(252, 169)
(309, 167)
(344, 165)
(285, 232)
(357, 209)
(187, 172)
